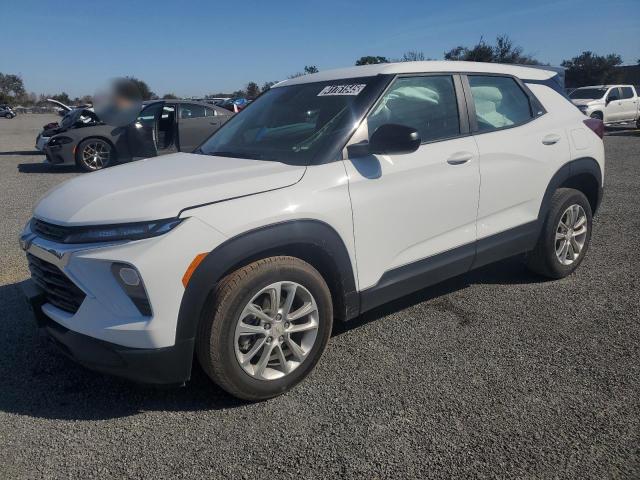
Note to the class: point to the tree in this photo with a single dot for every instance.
(253, 90)
(239, 94)
(308, 69)
(169, 96)
(591, 69)
(371, 60)
(61, 97)
(268, 85)
(143, 88)
(504, 51)
(412, 56)
(11, 87)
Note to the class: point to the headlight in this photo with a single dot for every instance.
(105, 233)
(60, 140)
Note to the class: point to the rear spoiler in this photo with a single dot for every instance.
(555, 82)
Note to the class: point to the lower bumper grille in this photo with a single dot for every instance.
(59, 290)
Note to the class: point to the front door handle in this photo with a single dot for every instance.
(551, 139)
(459, 158)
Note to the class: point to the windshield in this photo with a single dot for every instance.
(297, 124)
(588, 93)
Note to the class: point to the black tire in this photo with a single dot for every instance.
(597, 115)
(8, 115)
(215, 343)
(543, 259)
(88, 165)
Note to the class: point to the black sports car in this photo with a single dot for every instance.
(163, 126)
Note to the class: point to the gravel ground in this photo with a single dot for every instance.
(493, 374)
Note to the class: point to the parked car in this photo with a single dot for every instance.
(74, 118)
(7, 112)
(330, 195)
(163, 126)
(613, 104)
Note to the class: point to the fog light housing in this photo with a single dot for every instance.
(131, 283)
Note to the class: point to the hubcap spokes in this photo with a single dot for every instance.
(571, 234)
(96, 155)
(276, 330)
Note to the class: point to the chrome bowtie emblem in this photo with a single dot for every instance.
(26, 240)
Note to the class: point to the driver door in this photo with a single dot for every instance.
(142, 135)
(411, 211)
(614, 109)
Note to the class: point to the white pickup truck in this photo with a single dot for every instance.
(613, 104)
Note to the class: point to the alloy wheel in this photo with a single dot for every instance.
(571, 234)
(276, 330)
(96, 155)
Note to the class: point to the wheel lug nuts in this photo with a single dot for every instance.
(269, 339)
(278, 317)
(281, 339)
(286, 324)
(267, 326)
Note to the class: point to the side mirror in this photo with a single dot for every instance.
(612, 98)
(389, 139)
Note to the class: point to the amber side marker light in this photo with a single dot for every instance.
(192, 268)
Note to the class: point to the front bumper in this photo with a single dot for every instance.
(60, 154)
(163, 366)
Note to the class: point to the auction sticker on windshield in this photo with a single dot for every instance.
(351, 89)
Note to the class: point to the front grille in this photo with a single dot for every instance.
(49, 230)
(59, 290)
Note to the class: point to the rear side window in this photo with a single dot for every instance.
(427, 104)
(627, 92)
(499, 102)
(209, 112)
(191, 111)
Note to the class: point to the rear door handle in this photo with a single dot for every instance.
(551, 139)
(459, 158)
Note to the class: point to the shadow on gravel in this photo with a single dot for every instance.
(21, 152)
(506, 272)
(44, 168)
(37, 380)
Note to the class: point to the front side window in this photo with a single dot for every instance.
(499, 102)
(427, 104)
(613, 94)
(627, 92)
(297, 124)
(209, 112)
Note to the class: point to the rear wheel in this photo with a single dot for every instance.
(94, 154)
(565, 235)
(266, 328)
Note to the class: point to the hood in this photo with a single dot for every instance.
(160, 187)
(585, 101)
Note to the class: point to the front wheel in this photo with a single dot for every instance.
(266, 327)
(7, 115)
(565, 235)
(94, 154)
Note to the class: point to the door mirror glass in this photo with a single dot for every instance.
(389, 139)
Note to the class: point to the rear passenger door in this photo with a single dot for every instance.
(409, 208)
(521, 147)
(195, 123)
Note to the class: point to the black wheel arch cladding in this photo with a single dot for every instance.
(269, 240)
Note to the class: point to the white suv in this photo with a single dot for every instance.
(329, 195)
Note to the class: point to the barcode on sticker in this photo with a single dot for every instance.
(351, 89)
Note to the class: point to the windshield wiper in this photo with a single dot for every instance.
(249, 155)
(228, 153)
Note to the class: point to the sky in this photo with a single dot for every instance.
(192, 48)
